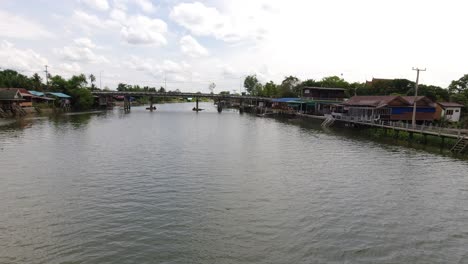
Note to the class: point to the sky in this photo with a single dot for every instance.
(187, 45)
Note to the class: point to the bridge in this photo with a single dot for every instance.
(105, 95)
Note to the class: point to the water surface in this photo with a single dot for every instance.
(174, 186)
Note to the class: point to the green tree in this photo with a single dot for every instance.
(122, 87)
(290, 87)
(334, 82)
(250, 83)
(82, 99)
(270, 89)
(459, 86)
(36, 82)
(92, 79)
(211, 87)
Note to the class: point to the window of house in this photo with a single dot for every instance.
(306, 91)
(457, 110)
(449, 112)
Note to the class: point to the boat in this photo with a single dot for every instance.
(199, 109)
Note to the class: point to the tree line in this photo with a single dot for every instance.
(76, 86)
(292, 86)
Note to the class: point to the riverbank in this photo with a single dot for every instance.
(433, 143)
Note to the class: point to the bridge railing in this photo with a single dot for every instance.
(176, 94)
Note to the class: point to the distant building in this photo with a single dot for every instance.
(319, 100)
(63, 99)
(448, 110)
(390, 108)
(10, 98)
(323, 93)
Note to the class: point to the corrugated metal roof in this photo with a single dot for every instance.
(285, 100)
(36, 93)
(375, 101)
(450, 104)
(60, 95)
(10, 94)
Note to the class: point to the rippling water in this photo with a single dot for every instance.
(174, 186)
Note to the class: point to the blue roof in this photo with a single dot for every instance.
(60, 95)
(36, 93)
(284, 100)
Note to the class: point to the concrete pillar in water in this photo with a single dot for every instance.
(220, 107)
(126, 104)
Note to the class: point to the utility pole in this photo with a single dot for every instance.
(47, 77)
(100, 80)
(416, 94)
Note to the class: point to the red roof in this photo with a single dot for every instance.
(410, 99)
(450, 104)
(374, 101)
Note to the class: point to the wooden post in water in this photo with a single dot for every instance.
(241, 106)
(196, 104)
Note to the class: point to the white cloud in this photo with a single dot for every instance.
(87, 21)
(191, 47)
(100, 5)
(20, 59)
(171, 70)
(208, 21)
(81, 51)
(145, 5)
(118, 15)
(70, 68)
(144, 30)
(85, 42)
(13, 26)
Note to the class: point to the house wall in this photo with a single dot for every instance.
(439, 112)
(455, 117)
(406, 113)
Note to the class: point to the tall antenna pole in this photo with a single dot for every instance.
(47, 77)
(416, 94)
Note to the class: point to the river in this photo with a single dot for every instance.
(175, 186)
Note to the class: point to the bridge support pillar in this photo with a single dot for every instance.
(127, 104)
(220, 107)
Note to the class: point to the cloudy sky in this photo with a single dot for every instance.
(191, 44)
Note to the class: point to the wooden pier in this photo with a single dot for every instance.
(460, 136)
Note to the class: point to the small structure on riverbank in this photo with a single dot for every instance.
(448, 110)
(63, 100)
(320, 100)
(10, 99)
